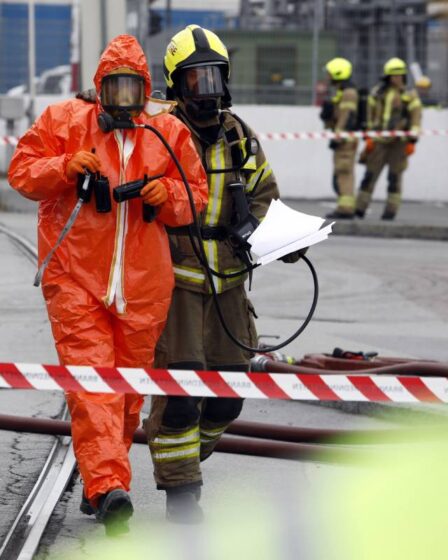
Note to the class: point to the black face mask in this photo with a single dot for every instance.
(202, 109)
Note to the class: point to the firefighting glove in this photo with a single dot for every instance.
(370, 145)
(293, 257)
(154, 193)
(88, 95)
(410, 148)
(80, 163)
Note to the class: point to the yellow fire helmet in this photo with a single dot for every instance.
(340, 69)
(395, 67)
(194, 46)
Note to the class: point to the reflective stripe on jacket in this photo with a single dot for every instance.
(261, 187)
(392, 109)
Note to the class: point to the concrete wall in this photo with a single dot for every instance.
(304, 167)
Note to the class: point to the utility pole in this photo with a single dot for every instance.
(74, 47)
(410, 37)
(168, 14)
(31, 59)
(393, 9)
(317, 23)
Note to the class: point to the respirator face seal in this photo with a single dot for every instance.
(123, 92)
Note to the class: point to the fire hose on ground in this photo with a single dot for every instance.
(258, 439)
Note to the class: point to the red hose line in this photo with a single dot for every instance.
(227, 444)
(422, 369)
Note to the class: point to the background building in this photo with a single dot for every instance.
(278, 47)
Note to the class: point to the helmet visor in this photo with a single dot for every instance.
(202, 81)
(126, 91)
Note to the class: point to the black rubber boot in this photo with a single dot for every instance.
(388, 215)
(85, 506)
(360, 213)
(114, 510)
(182, 506)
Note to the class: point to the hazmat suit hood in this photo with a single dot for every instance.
(124, 50)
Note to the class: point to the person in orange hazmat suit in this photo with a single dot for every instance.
(108, 286)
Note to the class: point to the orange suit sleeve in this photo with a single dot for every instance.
(38, 166)
(176, 210)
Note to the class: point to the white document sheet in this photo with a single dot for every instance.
(284, 230)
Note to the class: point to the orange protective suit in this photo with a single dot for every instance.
(108, 286)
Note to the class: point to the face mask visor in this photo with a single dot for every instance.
(123, 92)
(202, 82)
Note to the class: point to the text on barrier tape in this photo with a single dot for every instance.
(329, 135)
(322, 135)
(355, 388)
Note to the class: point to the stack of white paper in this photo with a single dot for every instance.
(285, 230)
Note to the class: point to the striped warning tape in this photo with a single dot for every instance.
(329, 135)
(323, 135)
(355, 388)
(8, 140)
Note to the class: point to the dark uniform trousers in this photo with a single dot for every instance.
(392, 154)
(183, 431)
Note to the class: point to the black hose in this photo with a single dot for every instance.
(209, 272)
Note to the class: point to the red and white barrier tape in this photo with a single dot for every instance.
(329, 135)
(323, 135)
(8, 140)
(355, 388)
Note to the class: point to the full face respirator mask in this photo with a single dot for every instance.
(201, 88)
(123, 95)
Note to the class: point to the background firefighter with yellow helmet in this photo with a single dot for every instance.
(390, 107)
(340, 114)
(183, 431)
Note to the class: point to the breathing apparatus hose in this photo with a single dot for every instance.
(209, 272)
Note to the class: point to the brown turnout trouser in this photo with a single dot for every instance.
(183, 431)
(344, 176)
(392, 154)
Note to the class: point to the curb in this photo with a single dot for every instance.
(391, 231)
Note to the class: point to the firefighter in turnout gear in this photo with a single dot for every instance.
(183, 431)
(390, 107)
(339, 115)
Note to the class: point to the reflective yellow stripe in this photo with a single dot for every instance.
(336, 98)
(177, 453)
(190, 274)
(350, 105)
(251, 163)
(174, 439)
(346, 201)
(216, 182)
(211, 250)
(371, 101)
(394, 198)
(213, 433)
(388, 103)
(267, 171)
(415, 104)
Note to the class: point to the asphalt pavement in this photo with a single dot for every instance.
(387, 295)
